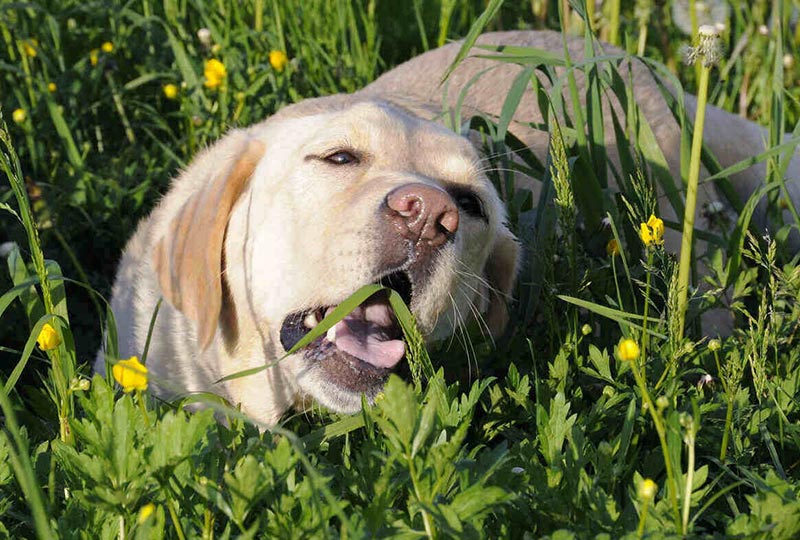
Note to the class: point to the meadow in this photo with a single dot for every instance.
(604, 412)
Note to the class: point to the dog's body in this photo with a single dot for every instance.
(275, 224)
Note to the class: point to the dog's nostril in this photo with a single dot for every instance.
(448, 221)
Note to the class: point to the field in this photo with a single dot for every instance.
(603, 412)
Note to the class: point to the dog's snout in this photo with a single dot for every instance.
(426, 213)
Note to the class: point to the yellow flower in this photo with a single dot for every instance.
(94, 56)
(215, 73)
(19, 116)
(612, 248)
(278, 60)
(628, 350)
(652, 232)
(51, 87)
(170, 91)
(30, 47)
(130, 374)
(145, 512)
(647, 490)
(48, 338)
(107, 47)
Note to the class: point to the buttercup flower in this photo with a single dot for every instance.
(51, 87)
(145, 512)
(628, 350)
(94, 56)
(48, 337)
(215, 73)
(647, 490)
(19, 116)
(30, 47)
(107, 47)
(612, 248)
(170, 91)
(652, 232)
(278, 60)
(130, 374)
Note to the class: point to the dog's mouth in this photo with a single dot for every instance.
(360, 351)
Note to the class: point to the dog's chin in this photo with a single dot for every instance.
(354, 358)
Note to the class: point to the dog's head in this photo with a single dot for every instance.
(321, 199)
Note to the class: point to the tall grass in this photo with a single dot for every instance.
(562, 427)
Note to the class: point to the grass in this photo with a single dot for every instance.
(562, 432)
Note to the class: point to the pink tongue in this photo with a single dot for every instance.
(363, 334)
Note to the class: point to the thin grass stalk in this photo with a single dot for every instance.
(707, 49)
(62, 373)
(613, 22)
(590, 14)
(646, 310)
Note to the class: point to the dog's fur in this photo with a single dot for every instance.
(263, 227)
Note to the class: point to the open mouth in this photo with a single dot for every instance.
(360, 351)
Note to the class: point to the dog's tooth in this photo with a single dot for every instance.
(331, 335)
(310, 321)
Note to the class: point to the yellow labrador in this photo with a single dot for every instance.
(274, 225)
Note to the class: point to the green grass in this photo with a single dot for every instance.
(551, 437)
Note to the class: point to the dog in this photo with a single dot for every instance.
(276, 224)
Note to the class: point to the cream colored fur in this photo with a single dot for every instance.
(297, 233)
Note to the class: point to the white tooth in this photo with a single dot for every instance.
(331, 335)
(310, 321)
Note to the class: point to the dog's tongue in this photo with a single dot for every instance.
(364, 333)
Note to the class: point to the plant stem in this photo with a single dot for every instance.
(175, 520)
(691, 199)
(644, 316)
(726, 430)
(426, 520)
(662, 437)
(643, 519)
(687, 490)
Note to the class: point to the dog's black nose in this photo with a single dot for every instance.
(423, 214)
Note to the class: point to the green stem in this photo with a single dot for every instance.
(426, 520)
(642, 40)
(727, 429)
(662, 437)
(643, 519)
(691, 200)
(646, 309)
(613, 22)
(142, 407)
(173, 514)
(687, 490)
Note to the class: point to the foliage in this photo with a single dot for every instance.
(558, 430)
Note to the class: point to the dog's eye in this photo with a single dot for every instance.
(342, 157)
(470, 203)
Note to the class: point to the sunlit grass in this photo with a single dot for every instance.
(597, 413)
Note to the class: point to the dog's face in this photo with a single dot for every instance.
(327, 197)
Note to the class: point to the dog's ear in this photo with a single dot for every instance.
(189, 258)
(501, 271)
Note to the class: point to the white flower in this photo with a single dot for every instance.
(204, 35)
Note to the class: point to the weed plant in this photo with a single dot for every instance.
(604, 412)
